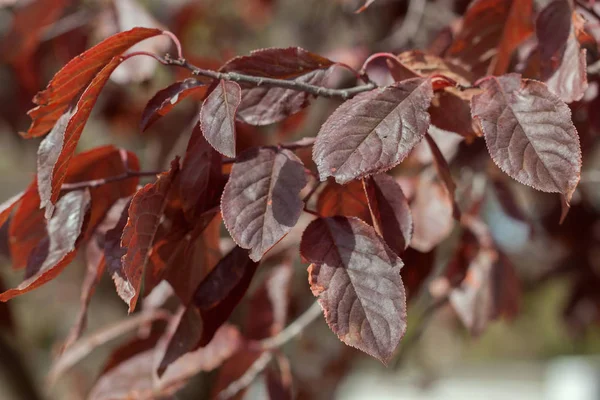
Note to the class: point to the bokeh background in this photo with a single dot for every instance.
(548, 351)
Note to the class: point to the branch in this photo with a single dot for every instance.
(269, 345)
(318, 91)
(68, 187)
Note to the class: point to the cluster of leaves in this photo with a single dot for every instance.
(371, 225)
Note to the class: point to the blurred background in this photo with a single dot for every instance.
(545, 351)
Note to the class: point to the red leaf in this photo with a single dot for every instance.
(432, 215)
(201, 180)
(529, 133)
(66, 85)
(364, 6)
(165, 99)
(373, 131)
(451, 111)
(57, 149)
(390, 211)
(263, 105)
(7, 207)
(416, 63)
(217, 116)
(261, 203)
(214, 301)
(268, 310)
(443, 170)
(491, 31)
(145, 212)
(348, 200)
(27, 227)
(63, 231)
(356, 277)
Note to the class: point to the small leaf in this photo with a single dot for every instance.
(261, 203)
(348, 200)
(217, 116)
(63, 231)
(68, 83)
(27, 227)
(390, 211)
(356, 277)
(57, 149)
(145, 212)
(529, 133)
(374, 131)
(165, 99)
(443, 170)
(7, 207)
(263, 105)
(364, 6)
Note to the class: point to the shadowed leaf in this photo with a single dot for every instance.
(165, 99)
(356, 277)
(27, 227)
(64, 229)
(529, 133)
(145, 211)
(261, 203)
(373, 131)
(217, 116)
(262, 105)
(348, 200)
(390, 211)
(69, 82)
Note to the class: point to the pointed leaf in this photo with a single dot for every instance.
(217, 116)
(374, 131)
(165, 99)
(66, 85)
(263, 105)
(145, 213)
(57, 149)
(261, 203)
(529, 133)
(356, 277)
(63, 231)
(390, 211)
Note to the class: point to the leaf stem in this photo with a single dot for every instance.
(68, 187)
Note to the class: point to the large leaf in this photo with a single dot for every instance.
(68, 83)
(356, 277)
(529, 133)
(165, 99)
(263, 105)
(261, 203)
(217, 116)
(57, 149)
(145, 214)
(51, 256)
(373, 131)
(390, 211)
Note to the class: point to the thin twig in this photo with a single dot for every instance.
(249, 376)
(68, 187)
(318, 91)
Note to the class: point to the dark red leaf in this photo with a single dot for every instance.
(451, 111)
(217, 116)
(529, 133)
(261, 203)
(390, 211)
(64, 229)
(262, 105)
(165, 99)
(443, 170)
(491, 31)
(415, 63)
(356, 277)
(214, 301)
(268, 310)
(201, 180)
(27, 227)
(279, 382)
(69, 82)
(373, 131)
(348, 200)
(145, 213)
(57, 149)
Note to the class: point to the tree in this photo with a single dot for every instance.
(511, 74)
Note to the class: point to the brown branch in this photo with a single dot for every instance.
(318, 91)
(68, 187)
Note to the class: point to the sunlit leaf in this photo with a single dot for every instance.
(217, 116)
